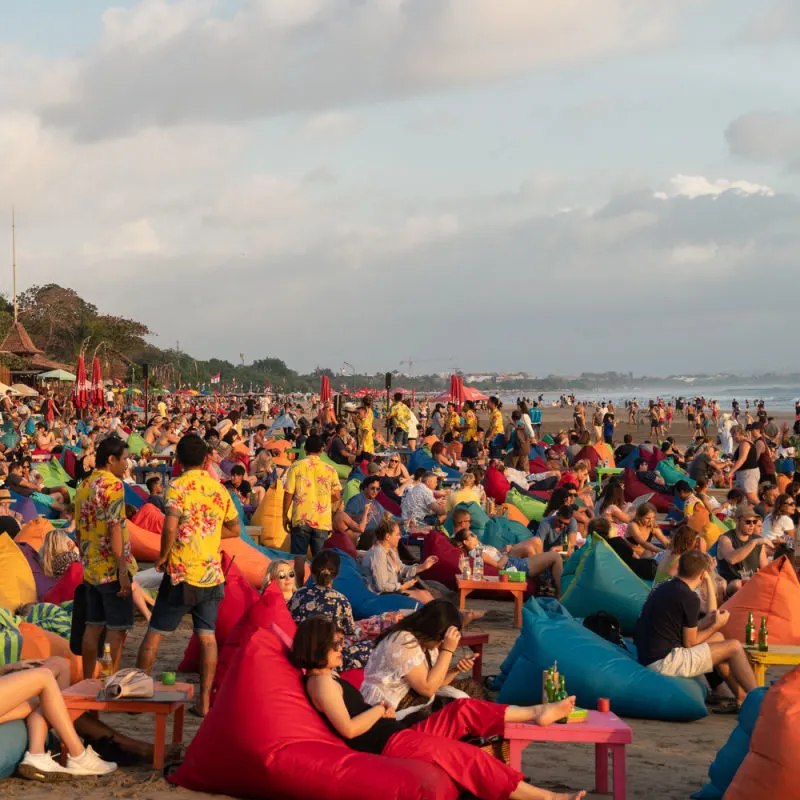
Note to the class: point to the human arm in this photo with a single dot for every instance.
(640, 539)
(327, 698)
(744, 449)
(706, 628)
(115, 518)
(426, 681)
(727, 552)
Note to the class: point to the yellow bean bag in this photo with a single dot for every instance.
(269, 516)
(17, 585)
(33, 533)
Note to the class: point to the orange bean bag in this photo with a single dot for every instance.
(145, 545)
(770, 768)
(33, 533)
(606, 453)
(252, 563)
(39, 643)
(514, 514)
(774, 593)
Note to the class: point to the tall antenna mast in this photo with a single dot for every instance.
(14, 258)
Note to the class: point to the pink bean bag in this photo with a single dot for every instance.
(149, 518)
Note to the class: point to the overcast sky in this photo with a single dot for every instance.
(538, 185)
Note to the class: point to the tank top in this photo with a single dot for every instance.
(376, 738)
(734, 571)
(751, 462)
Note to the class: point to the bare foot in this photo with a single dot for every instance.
(470, 616)
(555, 711)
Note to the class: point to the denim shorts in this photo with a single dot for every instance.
(104, 608)
(519, 564)
(175, 601)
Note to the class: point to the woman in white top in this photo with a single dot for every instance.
(778, 525)
(416, 654)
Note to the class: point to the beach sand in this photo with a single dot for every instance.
(666, 760)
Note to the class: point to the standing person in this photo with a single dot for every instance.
(744, 469)
(108, 564)
(310, 487)
(536, 419)
(597, 425)
(519, 457)
(400, 416)
(469, 431)
(608, 429)
(495, 435)
(200, 513)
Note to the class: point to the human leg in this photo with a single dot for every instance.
(208, 668)
(730, 659)
(550, 560)
(318, 538)
(300, 538)
(89, 644)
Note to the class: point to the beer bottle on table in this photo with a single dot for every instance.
(550, 687)
(750, 631)
(562, 690)
(763, 636)
(106, 663)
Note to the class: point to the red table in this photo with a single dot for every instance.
(605, 730)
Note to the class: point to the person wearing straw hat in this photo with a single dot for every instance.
(10, 521)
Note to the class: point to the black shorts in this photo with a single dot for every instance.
(105, 609)
(174, 601)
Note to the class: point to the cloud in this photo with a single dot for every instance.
(693, 186)
(329, 125)
(164, 64)
(769, 137)
(779, 20)
(136, 238)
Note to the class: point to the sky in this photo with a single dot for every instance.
(551, 186)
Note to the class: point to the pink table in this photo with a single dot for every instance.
(605, 730)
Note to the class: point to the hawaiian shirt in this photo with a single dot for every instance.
(100, 504)
(313, 483)
(366, 434)
(202, 505)
(495, 423)
(471, 426)
(452, 422)
(401, 414)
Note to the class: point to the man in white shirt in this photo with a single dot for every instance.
(420, 503)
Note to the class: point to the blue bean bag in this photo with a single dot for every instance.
(630, 460)
(733, 752)
(500, 531)
(423, 459)
(594, 668)
(132, 497)
(364, 602)
(603, 582)
(13, 744)
(477, 519)
(572, 565)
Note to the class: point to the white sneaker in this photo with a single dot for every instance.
(43, 767)
(89, 763)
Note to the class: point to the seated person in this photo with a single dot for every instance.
(366, 503)
(10, 521)
(644, 568)
(767, 495)
(706, 464)
(625, 449)
(740, 552)
(650, 477)
(45, 439)
(672, 640)
(156, 489)
(22, 481)
(440, 456)
(58, 553)
(613, 507)
(643, 533)
(242, 487)
(338, 451)
(466, 493)
(779, 527)
(375, 728)
(420, 502)
(554, 529)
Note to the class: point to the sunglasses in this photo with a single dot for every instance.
(749, 521)
(282, 576)
(394, 460)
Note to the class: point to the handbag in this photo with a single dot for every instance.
(131, 683)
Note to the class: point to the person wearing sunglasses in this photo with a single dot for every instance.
(778, 525)
(741, 552)
(282, 573)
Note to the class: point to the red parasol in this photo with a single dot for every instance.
(456, 393)
(80, 392)
(325, 390)
(97, 395)
(460, 396)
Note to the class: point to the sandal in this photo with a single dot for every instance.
(725, 706)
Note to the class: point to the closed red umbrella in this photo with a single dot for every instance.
(325, 395)
(460, 396)
(80, 391)
(97, 396)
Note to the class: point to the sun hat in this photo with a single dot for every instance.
(5, 496)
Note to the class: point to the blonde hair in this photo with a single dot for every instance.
(467, 480)
(272, 571)
(581, 466)
(55, 543)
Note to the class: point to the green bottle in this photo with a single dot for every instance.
(763, 635)
(562, 690)
(750, 631)
(550, 687)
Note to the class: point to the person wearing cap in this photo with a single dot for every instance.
(10, 521)
(740, 552)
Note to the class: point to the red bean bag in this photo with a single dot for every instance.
(446, 569)
(496, 485)
(150, 518)
(774, 593)
(70, 463)
(253, 563)
(770, 768)
(239, 596)
(537, 465)
(64, 590)
(588, 453)
(635, 488)
(390, 505)
(275, 744)
(354, 677)
(654, 458)
(341, 541)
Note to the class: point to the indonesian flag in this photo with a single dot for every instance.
(215, 378)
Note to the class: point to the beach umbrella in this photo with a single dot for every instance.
(97, 395)
(413, 396)
(80, 392)
(325, 395)
(57, 375)
(460, 400)
(453, 394)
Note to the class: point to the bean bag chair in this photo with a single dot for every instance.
(341, 541)
(364, 602)
(630, 460)
(387, 504)
(733, 752)
(351, 489)
(774, 593)
(42, 582)
(635, 488)
(145, 545)
(478, 519)
(446, 569)
(594, 668)
(421, 458)
(531, 509)
(572, 566)
(65, 587)
(342, 470)
(269, 515)
(10, 638)
(606, 453)
(17, 584)
(355, 677)
(672, 474)
(250, 560)
(588, 453)
(496, 485)
(500, 532)
(149, 518)
(69, 462)
(33, 533)
(603, 582)
(239, 596)
(513, 513)
(51, 617)
(136, 444)
(39, 643)
(53, 475)
(13, 744)
(537, 465)
(25, 507)
(277, 746)
(654, 458)
(133, 496)
(769, 770)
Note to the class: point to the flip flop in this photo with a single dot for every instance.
(725, 707)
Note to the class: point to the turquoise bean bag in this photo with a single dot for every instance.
(572, 565)
(13, 744)
(531, 508)
(500, 532)
(732, 753)
(477, 519)
(594, 668)
(366, 603)
(603, 582)
(422, 458)
(672, 474)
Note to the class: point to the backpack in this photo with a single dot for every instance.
(606, 626)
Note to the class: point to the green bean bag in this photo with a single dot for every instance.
(10, 638)
(672, 474)
(531, 508)
(53, 475)
(500, 532)
(136, 444)
(477, 519)
(351, 489)
(603, 582)
(342, 470)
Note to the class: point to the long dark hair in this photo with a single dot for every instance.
(429, 623)
(613, 495)
(559, 497)
(313, 639)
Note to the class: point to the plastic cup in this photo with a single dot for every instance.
(603, 705)
(168, 678)
(503, 577)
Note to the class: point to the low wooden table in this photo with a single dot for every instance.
(779, 654)
(517, 589)
(82, 697)
(605, 730)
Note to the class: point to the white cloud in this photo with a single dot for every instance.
(775, 20)
(692, 186)
(131, 239)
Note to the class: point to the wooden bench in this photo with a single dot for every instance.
(605, 730)
(82, 697)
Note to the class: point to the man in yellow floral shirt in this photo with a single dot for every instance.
(400, 415)
(108, 565)
(310, 487)
(200, 513)
(495, 436)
